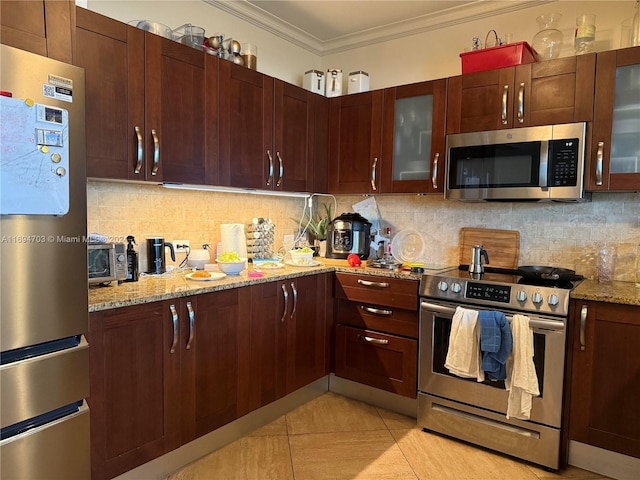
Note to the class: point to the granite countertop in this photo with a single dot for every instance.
(152, 288)
(616, 292)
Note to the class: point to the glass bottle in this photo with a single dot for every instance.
(635, 26)
(585, 33)
(548, 41)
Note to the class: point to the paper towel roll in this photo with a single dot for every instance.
(233, 238)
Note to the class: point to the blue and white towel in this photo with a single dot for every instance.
(495, 343)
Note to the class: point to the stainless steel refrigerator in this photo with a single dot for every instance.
(44, 371)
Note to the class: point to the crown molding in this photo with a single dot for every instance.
(446, 18)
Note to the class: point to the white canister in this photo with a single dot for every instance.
(314, 81)
(358, 82)
(334, 82)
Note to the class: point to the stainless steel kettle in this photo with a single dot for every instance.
(477, 253)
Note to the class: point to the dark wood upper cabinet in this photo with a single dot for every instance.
(604, 396)
(542, 93)
(355, 143)
(413, 138)
(613, 161)
(146, 101)
(267, 137)
(39, 26)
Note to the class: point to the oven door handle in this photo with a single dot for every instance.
(534, 322)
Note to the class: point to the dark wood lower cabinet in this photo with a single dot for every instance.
(134, 382)
(165, 373)
(605, 376)
(377, 359)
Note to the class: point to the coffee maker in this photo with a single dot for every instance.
(348, 233)
(156, 262)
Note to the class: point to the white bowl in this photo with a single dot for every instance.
(232, 268)
(301, 258)
(198, 258)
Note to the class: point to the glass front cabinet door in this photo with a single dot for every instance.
(414, 138)
(615, 147)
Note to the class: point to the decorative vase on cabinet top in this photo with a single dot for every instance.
(548, 41)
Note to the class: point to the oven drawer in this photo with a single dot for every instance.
(380, 360)
(387, 291)
(375, 317)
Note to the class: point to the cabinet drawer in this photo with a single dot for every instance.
(376, 317)
(380, 360)
(390, 292)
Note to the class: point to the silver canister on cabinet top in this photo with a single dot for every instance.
(314, 81)
(334, 82)
(358, 82)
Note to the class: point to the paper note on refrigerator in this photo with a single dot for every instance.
(34, 158)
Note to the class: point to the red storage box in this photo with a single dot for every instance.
(501, 56)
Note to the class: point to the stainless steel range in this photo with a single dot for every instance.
(476, 411)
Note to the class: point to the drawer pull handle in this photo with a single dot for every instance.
(377, 341)
(368, 283)
(376, 311)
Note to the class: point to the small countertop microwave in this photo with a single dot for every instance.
(519, 164)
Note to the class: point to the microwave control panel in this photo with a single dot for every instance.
(563, 162)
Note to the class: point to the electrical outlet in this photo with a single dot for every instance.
(180, 246)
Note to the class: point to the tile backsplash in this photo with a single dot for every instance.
(565, 235)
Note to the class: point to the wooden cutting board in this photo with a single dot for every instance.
(502, 246)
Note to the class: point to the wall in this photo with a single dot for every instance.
(551, 234)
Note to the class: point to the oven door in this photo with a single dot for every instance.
(435, 379)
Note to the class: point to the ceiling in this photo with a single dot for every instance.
(330, 26)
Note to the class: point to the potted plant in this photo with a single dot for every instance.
(317, 226)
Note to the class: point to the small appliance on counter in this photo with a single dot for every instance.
(348, 233)
(107, 262)
(156, 262)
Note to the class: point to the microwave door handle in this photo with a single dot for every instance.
(544, 164)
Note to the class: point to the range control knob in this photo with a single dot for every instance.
(455, 287)
(537, 298)
(442, 286)
(553, 300)
(521, 296)
(121, 258)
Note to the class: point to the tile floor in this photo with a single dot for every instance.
(334, 437)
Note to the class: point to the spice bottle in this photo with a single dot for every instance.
(132, 260)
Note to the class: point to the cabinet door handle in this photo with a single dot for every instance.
(583, 326)
(270, 168)
(140, 151)
(377, 341)
(376, 311)
(521, 103)
(434, 174)
(373, 174)
(286, 302)
(368, 283)
(599, 157)
(281, 169)
(156, 152)
(174, 319)
(192, 321)
(295, 299)
(505, 97)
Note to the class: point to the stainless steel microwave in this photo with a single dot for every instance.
(530, 163)
(107, 262)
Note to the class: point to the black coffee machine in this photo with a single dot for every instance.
(156, 262)
(348, 233)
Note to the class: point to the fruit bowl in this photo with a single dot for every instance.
(232, 268)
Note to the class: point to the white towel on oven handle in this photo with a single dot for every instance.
(522, 380)
(463, 356)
